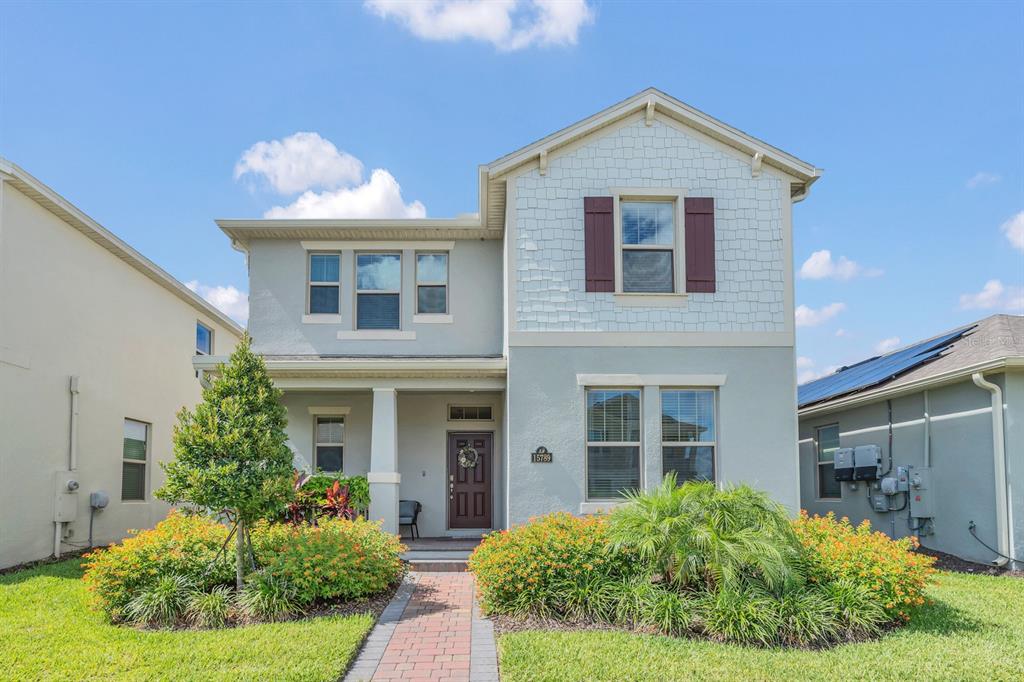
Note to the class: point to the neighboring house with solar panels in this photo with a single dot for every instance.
(927, 440)
(96, 348)
(620, 307)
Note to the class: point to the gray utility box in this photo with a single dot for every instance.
(843, 462)
(867, 462)
(921, 493)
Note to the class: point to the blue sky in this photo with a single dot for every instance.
(142, 115)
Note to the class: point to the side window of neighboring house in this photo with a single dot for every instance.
(648, 246)
(324, 283)
(688, 434)
(431, 283)
(134, 458)
(613, 442)
(378, 290)
(329, 446)
(828, 443)
(204, 339)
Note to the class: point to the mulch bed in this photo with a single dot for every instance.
(948, 562)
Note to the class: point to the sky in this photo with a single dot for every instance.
(157, 118)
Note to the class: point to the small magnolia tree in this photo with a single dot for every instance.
(230, 456)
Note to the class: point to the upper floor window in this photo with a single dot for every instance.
(134, 456)
(329, 447)
(378, 290)
(204, 339)
(828, 442)
(688, 435)
(648, 246)
(613, 442)
(324, 283)
(431, 283)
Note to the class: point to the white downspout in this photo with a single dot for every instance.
(58, 527)
(999, 455)
(927, 432)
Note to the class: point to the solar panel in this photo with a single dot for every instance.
(876, 370)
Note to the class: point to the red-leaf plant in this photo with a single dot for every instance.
(295, 512)
(337, 502)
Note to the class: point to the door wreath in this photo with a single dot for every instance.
(468, 457)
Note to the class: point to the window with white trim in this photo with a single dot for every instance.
(134, 458)
(329, 445)
(613, 442)
(648, 246)
(482, 413)
(688, 434)
(827, 442)
(378, 290)
(204, 339)
(432, 283)
(324, 283)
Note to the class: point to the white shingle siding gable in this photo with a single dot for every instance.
(550, 288)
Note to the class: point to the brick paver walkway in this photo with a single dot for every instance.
(431, 630)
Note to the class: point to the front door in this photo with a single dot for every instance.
(469, 480)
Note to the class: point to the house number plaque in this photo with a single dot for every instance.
(541, 456)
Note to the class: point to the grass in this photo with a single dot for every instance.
(973, 630)
(48, 632)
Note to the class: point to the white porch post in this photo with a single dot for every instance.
(383, 475)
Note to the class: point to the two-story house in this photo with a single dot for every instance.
(621, 307)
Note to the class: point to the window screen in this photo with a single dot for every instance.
(431, 283)
(330, 444)
(828, 443)
(648, 239)
(324, 283)
(688, 434)
(134, 455)
(378, 287)
(613, 442)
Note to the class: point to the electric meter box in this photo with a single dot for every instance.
(921, 493)
(843, 464)
(867, 462)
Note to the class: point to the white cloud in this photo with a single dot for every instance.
(506, 24)
(1014, 230)
(821, 266)
(806, 370)
(994, 295)
(299, 162)
(809, 317)
(227, 299)
(380, 197)
(982, 178)
(886, 345)
(842, 332)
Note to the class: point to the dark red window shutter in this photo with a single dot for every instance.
(599, 243)
(700, 244)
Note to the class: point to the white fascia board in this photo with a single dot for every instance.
(680, 380)
(952, 376)
(480, 366)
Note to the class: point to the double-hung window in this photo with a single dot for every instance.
(134, 456)
(204, 339)
(613, 442)
(329, 445)
(378, 290)
(828, 442)
(688, 434)
(648, 246)
(432, 283)
(324, 283)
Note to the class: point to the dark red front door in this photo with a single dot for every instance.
(469, 487)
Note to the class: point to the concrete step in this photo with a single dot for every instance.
(447, 560)
(437, 566)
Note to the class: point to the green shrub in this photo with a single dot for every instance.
(807, 617)
(180, 545)
(314, 490)
(546, 566)
(335, 559)
(209, 609)
(696, 534)
(268, 598)
(160, 603)
(857, 610)
(890, 570)
(744, 615)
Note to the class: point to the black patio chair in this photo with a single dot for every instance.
(408, 513)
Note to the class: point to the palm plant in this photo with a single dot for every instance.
(696, 535)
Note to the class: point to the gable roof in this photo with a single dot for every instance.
(489, 222)
(993, 343)
(49, 199)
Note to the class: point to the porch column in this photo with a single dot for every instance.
(383, 475)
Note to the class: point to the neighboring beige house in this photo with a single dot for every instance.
(96, 347)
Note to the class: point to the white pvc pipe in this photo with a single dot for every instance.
(999, 459)
(73, 445)
(927, 432)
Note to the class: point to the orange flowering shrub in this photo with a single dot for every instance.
(888, 568)
(336, 559)
(526, 569)
(181, 545)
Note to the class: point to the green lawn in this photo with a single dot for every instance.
(47, 632)
(973, 631)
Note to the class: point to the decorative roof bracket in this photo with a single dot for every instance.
(755, 164)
